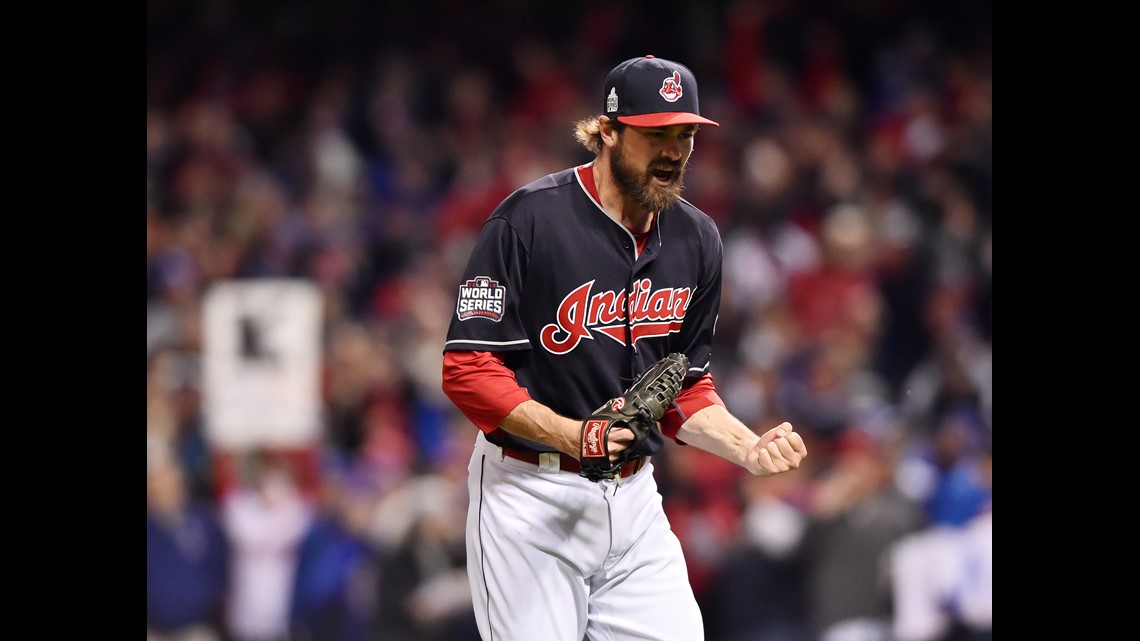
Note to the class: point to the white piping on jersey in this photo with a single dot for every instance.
(496, 343)
(578, 177)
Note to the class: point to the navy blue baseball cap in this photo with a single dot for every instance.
(652, 92)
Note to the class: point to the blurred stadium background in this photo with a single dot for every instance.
(316, 173)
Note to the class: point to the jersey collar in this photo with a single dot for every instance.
(586, 179)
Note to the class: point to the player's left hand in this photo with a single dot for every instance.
(779, 449)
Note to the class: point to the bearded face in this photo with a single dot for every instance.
(656, 188)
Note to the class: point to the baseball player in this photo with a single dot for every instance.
(577, 283)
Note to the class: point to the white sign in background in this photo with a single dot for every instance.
(262, 363)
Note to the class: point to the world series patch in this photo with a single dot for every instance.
(481, 297)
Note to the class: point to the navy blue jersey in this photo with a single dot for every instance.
(557, 285)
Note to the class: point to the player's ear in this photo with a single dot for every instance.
(608, 129)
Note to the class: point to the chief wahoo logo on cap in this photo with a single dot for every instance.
(671, 88)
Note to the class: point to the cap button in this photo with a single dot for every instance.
(649, 56)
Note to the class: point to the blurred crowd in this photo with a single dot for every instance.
(359, 146)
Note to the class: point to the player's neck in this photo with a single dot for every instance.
(632, 216)
(639, 225)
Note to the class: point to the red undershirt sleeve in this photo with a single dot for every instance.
(481, 387)
(485, 391)
(691, 400)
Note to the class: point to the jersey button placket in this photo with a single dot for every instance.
(630, 292)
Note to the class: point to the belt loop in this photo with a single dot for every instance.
(549, 463)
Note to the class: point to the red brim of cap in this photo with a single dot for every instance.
(666, 119)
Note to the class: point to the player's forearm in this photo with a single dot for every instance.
(714, 429)
(537, 422)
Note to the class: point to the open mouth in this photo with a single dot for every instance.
(664, 174)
